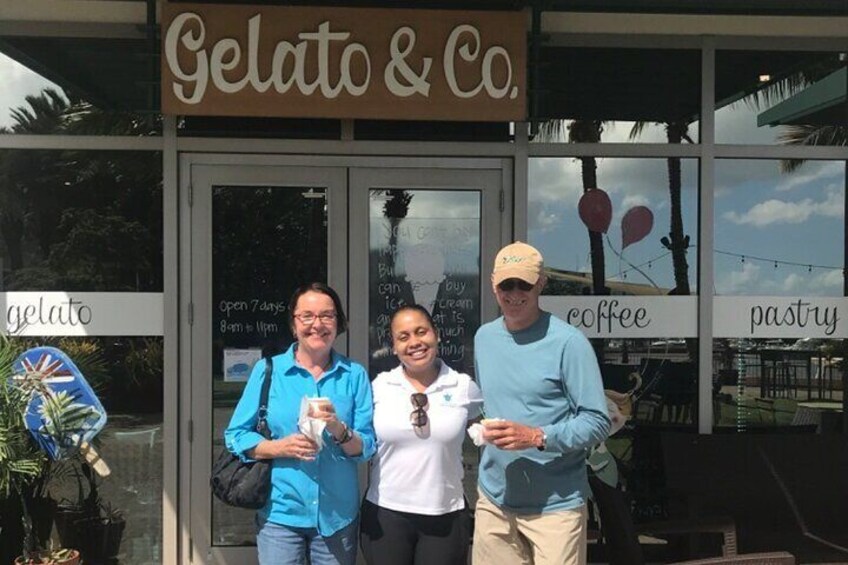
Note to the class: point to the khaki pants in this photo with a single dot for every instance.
(504, 538)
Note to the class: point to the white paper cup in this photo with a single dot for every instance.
(319, 404)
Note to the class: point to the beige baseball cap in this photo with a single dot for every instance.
(517, 261)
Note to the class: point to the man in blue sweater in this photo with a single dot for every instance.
(545, 406)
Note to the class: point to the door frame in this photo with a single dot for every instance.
(347, 220)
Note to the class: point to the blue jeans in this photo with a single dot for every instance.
(287, 545)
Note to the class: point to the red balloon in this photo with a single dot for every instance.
(595, 210)
(635, 225)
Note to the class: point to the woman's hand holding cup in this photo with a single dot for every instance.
(323, 409)
(297, 446)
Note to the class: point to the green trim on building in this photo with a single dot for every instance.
(822, 95)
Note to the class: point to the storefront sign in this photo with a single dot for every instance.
(329, 62)
(82, 313)
(780, 317)
(627, 316)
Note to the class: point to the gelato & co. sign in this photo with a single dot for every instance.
(330, 62)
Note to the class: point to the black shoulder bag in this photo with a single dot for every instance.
(246, 485)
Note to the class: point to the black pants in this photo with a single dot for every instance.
(389, 537)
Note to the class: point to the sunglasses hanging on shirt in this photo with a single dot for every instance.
(418, 417)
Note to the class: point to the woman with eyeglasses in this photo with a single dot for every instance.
(414, 511)
(314, 501)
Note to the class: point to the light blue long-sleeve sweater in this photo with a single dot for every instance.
(544, 376)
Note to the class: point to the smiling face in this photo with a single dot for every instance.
(318, 336)
(415, 341)
(520, 307)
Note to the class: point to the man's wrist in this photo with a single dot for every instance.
(541, 439)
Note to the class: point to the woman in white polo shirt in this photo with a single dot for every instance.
(414, 511)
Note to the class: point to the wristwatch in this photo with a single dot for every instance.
(347, 435)
(544, 441)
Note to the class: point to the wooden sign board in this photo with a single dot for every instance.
(346, 63)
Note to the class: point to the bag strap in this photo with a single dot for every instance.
(262, 422)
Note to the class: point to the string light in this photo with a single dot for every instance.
(777, 262)
(648, 263)
(743, 258)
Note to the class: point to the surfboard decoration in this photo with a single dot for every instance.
(64, 414)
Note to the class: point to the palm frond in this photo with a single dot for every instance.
(552, 131)
(64, 419)
(810, 135)
(637, 129)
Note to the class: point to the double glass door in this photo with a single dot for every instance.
(382, 234)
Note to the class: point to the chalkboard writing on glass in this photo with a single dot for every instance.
(425, 249)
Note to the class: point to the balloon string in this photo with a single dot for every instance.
(657, 374)
(631, 265)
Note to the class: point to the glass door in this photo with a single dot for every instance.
(425, 236)
(257, 233)
(381, 235)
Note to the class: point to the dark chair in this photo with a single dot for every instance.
(621, 535)
(674, 383)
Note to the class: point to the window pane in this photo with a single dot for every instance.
(601, 94)
(779, 233)
(780, 282)
(74, 98)
(81, 220)
(425, 249)
(781, 97)
(645, 195)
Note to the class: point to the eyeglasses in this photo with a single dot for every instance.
(510, 284)
(418, 417)
(308, 318)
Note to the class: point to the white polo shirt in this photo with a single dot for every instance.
(415, 472)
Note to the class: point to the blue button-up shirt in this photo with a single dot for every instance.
(323, 493)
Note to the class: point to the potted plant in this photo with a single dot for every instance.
(23, 465)
(103, 534)
(89, 523)
(25, 468)
(51, 557)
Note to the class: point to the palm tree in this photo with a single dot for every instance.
(11, 213)
(31, 177)
(395, 209)
(589, 131)
(584, 131)
(677, 241)
(38, 188)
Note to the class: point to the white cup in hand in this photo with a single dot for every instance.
(319, 404)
